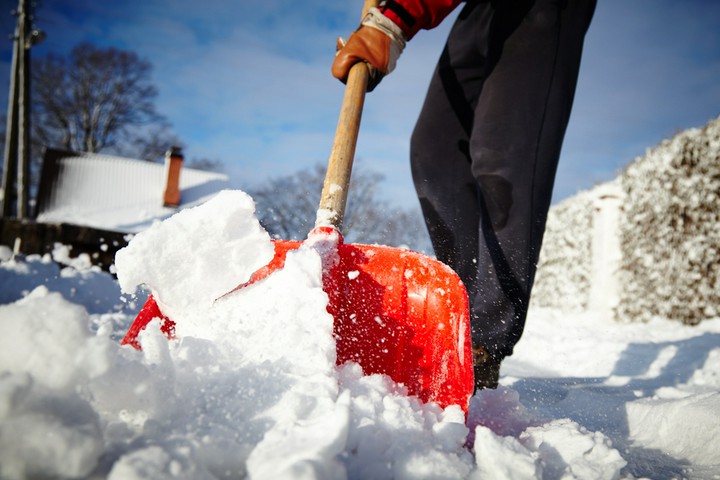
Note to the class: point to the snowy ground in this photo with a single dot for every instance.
(252, 389)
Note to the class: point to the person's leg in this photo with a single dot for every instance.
(518, 128)
(439, 147)
(484, 158)
(440, 155)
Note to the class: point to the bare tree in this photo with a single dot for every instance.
(287, 207)
(148, 142)
(207, 164)
(94, 100)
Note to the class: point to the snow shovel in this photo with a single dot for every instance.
(396, 312)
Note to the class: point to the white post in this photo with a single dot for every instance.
(606, 252)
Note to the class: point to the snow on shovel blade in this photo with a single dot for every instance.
(396, 312)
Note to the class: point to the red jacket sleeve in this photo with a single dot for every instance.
(414, 15)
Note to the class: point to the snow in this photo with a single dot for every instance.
(250, 387)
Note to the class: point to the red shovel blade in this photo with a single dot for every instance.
(396, 312)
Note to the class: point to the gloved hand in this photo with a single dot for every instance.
(378, 41)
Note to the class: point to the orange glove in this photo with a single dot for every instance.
(378, 41)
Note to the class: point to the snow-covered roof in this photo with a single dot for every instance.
(115, 193)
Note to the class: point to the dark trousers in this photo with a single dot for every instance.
(485, 149)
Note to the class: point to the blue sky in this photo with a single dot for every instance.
(248, 83)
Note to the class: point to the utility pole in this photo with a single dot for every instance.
(16, 171)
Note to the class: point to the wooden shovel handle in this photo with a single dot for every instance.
(337, 179)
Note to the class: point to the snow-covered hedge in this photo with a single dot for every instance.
(563, 274)
(669, 230)
(670, 234)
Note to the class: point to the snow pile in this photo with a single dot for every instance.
(694, 440)
(251, 389)
(652, 388)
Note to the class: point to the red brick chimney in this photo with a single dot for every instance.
(173, 165)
